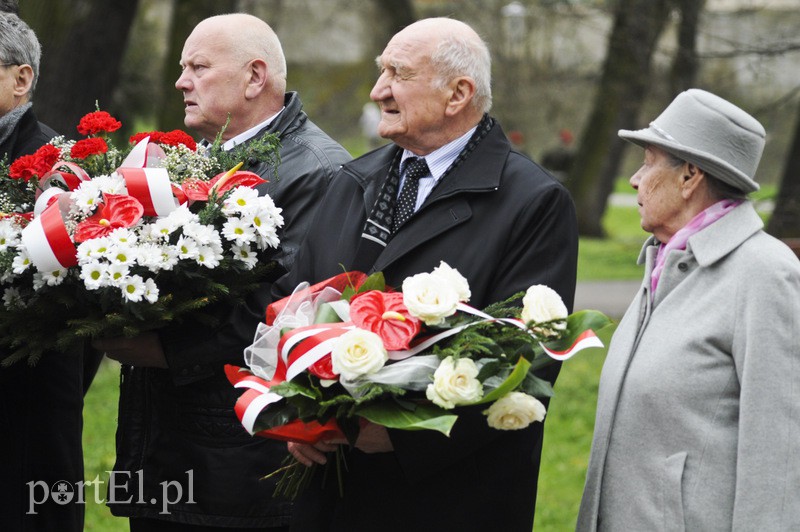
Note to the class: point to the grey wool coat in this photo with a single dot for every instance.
(698, 414)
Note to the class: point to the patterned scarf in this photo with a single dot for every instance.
(377, 229)
(681, 238)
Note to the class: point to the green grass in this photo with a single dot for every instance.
(614, 257)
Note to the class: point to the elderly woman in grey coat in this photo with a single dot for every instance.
(698, 414)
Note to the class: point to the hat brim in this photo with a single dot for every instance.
(713, 165)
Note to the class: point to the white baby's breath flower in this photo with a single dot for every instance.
(543, 304)
(428, 298)
(21, 262)
(246, 255)
(150, 291)
(357, 353)
(238, 231)
(94, 275)
(133, 288)
(455, 382)
(455, 279)
(514, 411)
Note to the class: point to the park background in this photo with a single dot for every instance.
(567, 74)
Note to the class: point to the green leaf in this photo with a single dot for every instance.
(423, 417)
(536, 386)
(510, 384)
(326, 314)
(577, 323)
(376, 281)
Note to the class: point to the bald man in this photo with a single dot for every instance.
(486, 210)
(184, 462)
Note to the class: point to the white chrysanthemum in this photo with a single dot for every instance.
(150, 291)
(123, 235)
(12, 298)
(182, 216)
(207, 257)
(93, 249)
(85, 198)
(246, 255)
(118, 273)
(241, 200)
(133, 288)
(238, 231)
(111, 184)
(54, 277)
(38, 281)
(161, 228)
(9, 234)
(268, 240)
(149, 255)
(187, 247)
(94, 275)
(205, 235)
(21, 262)
(122, 254)
(169, 257)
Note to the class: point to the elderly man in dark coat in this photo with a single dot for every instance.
(484, 209)
(40, 406)
(176, 421)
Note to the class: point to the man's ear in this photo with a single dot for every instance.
(258, 78)
(461, 91)
(23, 81)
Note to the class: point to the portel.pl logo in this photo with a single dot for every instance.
(63, 492)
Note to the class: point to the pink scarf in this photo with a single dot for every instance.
(679, 239)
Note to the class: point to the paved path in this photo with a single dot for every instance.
(610, 297)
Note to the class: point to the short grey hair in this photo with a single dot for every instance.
(459, 56)
(19, 45)
(718, 189)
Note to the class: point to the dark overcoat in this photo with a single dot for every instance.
(505, 224)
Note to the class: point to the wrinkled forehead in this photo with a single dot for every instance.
(408, 49)
(206, 42)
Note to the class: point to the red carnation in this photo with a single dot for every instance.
(176, 137)
(137, 137)
(86, 147)
(98, 122)
(35, 165)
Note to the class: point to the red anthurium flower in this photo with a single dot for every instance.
(323, 369)
(117, 211)
(385, 314)
(198, 190)
(98, 122)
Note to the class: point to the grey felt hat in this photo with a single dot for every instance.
(712, 133)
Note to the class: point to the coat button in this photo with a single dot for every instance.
(682, 266)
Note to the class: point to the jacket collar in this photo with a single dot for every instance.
(288, 120)
(480, 171)
(720, 238)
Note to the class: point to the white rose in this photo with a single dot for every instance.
(515, 410)
(428, 298)
(358, 352)
(455, 383)
(455, 279)
(541, 304)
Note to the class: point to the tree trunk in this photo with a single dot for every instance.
(685, 64)
(83, 42)
(623, 87)
(186, 15)
(785, 220)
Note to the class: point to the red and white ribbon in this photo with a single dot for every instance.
(146, 181)
(49, 245)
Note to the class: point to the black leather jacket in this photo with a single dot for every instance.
(180, 447)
